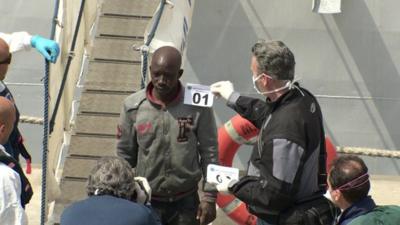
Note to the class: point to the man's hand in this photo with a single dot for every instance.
(206, 213)
(225, 184)
(143, 190)
(222, 88)
(48, 48)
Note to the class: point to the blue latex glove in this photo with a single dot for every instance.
(48, 48)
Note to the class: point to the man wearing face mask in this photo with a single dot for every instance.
(286, 176)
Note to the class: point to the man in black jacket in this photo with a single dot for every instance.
(286, 176)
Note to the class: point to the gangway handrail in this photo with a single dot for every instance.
(66, 71)
(145, 48)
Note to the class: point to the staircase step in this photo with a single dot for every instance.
(91, 146)
(113, 76)
(122, 26)
(101, 102)
(116, 49)
(78, 168)
(97, 125)
(72, 190)
(130, 7)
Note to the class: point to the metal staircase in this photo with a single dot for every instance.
(114, 72)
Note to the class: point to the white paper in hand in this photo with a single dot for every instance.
(198, 95)
(217, 174)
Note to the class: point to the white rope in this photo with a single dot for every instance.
(31, 120)
(369, 152)
(340, 149)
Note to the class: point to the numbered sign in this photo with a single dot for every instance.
(217, 174)
(199, 95)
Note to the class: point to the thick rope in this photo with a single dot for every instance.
(45, 150)
(369, 152)
(31, 120)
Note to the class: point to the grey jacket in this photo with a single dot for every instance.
(169, 145)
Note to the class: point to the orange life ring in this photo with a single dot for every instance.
(234, 133)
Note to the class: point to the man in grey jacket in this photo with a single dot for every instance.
(170, 143)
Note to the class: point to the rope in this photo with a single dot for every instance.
(31, 120)
(70, 56)
(145, 49)
(369, 152)
(46, 121)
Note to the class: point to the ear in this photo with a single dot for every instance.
(2, 128)
(264, 80)
(336, 195)
(180, 73)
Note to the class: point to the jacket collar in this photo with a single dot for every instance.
(3, 149)
(287, 96)
(156, 102)
(359, 208)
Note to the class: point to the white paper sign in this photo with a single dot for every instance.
(217, 174)
(198, 95)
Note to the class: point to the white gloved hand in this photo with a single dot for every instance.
(222, 88)
(225, 183)
(143, 190)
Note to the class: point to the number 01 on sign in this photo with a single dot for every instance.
(198, 95)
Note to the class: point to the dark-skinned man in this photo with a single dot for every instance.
(170, 143)
(15, 190)
(14, 145)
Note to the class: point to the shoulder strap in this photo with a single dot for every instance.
(26, 190)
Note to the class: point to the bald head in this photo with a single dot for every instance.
(4, 50)
(4, 54)
(167, 55)
(165, 71)
(7, 119)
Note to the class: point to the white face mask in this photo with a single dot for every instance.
(255, 79)
(287, 85)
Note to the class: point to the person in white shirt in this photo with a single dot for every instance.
(11, 210)
(24, 41)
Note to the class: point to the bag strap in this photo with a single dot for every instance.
(26, 190)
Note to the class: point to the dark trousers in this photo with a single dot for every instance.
(180, 212)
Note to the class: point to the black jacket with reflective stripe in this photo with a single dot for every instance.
(289, 157)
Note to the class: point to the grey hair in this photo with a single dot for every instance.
(275, 59)
(112, 176)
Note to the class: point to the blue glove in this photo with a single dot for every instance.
(48, 48)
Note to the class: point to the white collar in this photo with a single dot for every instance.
(3, 149)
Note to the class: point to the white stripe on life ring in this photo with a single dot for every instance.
(236, 137)
(232, 206)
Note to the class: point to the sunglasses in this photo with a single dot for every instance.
(7, 60)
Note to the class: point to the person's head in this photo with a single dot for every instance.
(5, 58)
(348, 180)
(165, 71)
(112, 176)
(7, 119)
(272, 65)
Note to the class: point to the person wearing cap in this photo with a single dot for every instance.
(286, 175)
(349, 186)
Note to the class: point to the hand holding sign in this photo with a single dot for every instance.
(222, 88)
(198, 95)
(223, 177)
